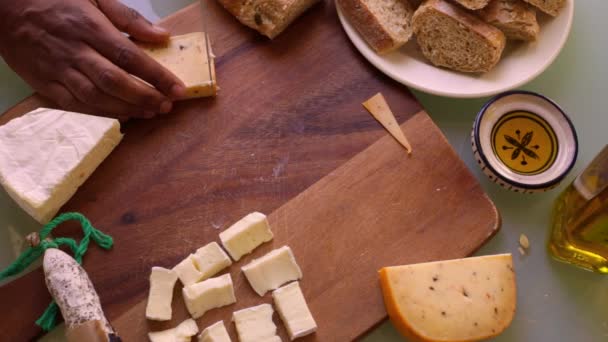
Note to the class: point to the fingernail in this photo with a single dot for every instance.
(149, 114)
(165, 107)
(178, 91)
(160, 30)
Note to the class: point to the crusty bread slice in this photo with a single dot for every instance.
(384, 24)
(451, 37)
(515, 18)
(473, 4)
(551, 7)
(269, 17)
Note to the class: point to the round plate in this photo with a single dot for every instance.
(521, 61)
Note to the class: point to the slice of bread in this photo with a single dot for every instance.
(551, 7)
(269, 17)
(451, 37)
(473, 4)
(515, 18)
(384, 24)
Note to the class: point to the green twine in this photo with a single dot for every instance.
(48, 318)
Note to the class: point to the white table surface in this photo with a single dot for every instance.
(556, 302)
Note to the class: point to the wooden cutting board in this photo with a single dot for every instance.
(287, 135)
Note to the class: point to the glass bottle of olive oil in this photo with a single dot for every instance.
(580, 219)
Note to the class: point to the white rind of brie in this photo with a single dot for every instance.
(46, 154)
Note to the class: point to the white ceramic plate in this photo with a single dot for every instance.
(521, 62)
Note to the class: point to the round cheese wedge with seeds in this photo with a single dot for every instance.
(467, 299)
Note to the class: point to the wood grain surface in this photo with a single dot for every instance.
(287, 135)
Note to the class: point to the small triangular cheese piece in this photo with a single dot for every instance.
(46, 154)
(215, 333)
(467, 299)
(380, 110)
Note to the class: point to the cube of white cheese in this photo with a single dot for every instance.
(255, 324)
(293, 310)
(210, 259)
(160, 296)
(209, 294)
(244, 236)
(215, 333)
(272, 270)
(187, 272)
(182, 333)
(46, 154)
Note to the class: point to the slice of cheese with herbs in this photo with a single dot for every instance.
(467, 299)
(187, 272)
(186, 57)
(182, 333)
(160, 296)
(210, 259)
(293, 310)
(380, 110)
(46, 154)
(244, 236)
(272, 270)
(215, 333)
(209, 294)
(255, 324)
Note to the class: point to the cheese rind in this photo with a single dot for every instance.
(186, 57)
(293, 310)
(215, 333)
(182, 333)
(246, 235)
(160, 295)
(255, 324)
(187, 272)
(272, 270)
(456, 300)
(46, 154)
(209, 294)
(210, 259)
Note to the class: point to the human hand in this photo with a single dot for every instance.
(73, 53)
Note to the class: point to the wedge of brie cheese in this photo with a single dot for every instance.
(182, 333)
(210, 259)
(209, 294)
(244, 236)
(187, 272)
(255, 324)
(291, 305)
(160, 296)
(215, 333)
(46, 154)
(272, 270)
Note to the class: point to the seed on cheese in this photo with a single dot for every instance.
(46, 154)
(457, 300)
(215, 333)
(160, 296)
(210, 259)
(209, 294)
(182, 333)
(186, 57)
(255, 324)
(272, 270)
(293, 310)
(187, 272)
(245, 235)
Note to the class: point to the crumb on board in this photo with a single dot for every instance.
(524, 241)
(521, 251)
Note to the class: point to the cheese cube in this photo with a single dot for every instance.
(46, 154)
(187, 272)
(186, 57)
(245, 235)
(210, 259)
(182, 333)
(255, 324)
(160, 296)
(215, 333)
(468, 299)
(209, 294)
(293, 310)
(272, 270)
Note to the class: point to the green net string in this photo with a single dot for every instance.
(48, 319)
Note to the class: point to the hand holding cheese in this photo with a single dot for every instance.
(74, 53)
